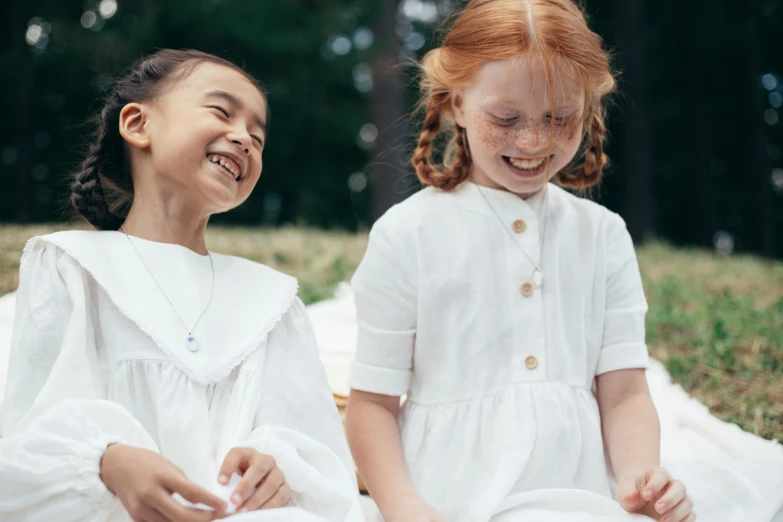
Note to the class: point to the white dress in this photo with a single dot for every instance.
(98, 356)
(500, 420)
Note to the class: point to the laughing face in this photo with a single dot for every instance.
(207, 137)
(521, 131)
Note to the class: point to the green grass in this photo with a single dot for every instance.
(717, 325)
(715, 322)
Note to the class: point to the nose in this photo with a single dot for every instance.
(529, 137)
(532, 139)
(242, 144)
(240, 137)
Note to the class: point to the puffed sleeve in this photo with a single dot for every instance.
(298, 423)
(56, 421)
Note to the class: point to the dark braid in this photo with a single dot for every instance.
(107, 159)
(87, 193)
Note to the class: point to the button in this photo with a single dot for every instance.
(519, 226)
(531, 363)
(527, 289)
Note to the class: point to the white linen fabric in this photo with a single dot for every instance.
(500, 418)
(99, 356)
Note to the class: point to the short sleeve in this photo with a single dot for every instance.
(623, 345)
(385, 292)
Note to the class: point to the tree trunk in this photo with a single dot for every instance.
(24, 79)
(388, 112)
(702, 193)
(639, 201)
(764, 218)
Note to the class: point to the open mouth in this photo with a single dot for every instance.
(526, 167)
(230, 166)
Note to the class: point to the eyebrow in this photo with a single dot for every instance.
(236, 104)
(560, 107)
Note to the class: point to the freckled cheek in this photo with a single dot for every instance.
(491, 136)
(569, 136)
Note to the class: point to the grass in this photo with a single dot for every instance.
(715, 322)
(717, 325)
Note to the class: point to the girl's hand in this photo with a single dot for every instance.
(260, 473)
(654, 493)
(144, 482)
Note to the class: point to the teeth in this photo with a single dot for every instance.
(225, 163)
(526, 164)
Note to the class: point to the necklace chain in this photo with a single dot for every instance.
(513, 239)
(211, 291)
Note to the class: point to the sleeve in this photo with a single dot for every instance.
(56, 425)
(298, 423)
(623, 344)
(385, 288)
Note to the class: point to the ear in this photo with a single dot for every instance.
(458, 107)
(133, 125)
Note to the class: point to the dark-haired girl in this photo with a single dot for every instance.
(146, 372)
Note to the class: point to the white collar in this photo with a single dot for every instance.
(249, 298)
(502, 200)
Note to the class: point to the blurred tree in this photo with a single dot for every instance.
(389, 109)
(639, 194)
(695, 136)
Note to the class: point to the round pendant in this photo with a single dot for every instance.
(538, 277)
(191, 343)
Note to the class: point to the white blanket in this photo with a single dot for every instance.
(688, 431)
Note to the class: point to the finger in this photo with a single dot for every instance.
(679, 512)
(655, 483)
(174, 511)
(260, 466)
(673, 495)
(236, 459)
(279, 499)
(150, 514)
(690, 518)
(269, 486)
(194, 493)
(629, 495)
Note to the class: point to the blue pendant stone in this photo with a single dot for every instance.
(191, 343)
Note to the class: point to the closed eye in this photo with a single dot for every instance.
(558, 120)
(504, 122)
(221, 109)
(259, 140)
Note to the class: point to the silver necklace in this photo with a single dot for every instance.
(191, 343)
(538, 275)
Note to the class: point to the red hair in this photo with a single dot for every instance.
(492, 30)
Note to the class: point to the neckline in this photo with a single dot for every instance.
(506, 199)
(160, 244)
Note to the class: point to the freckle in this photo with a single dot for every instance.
(568, 131)
(489, 134)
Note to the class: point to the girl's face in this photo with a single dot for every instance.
(521, 132)
(205, 139)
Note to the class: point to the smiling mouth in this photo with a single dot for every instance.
(525, 164)
(229, 165)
